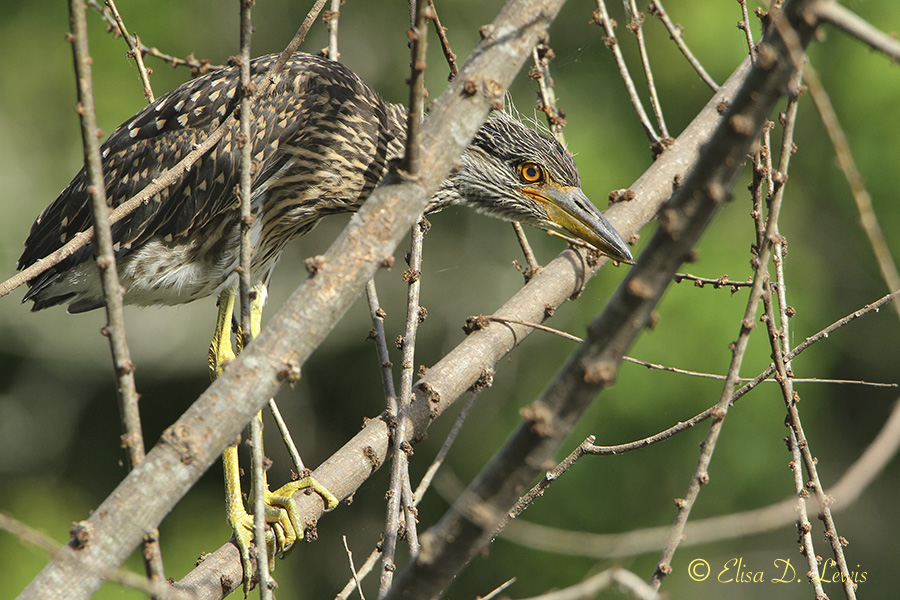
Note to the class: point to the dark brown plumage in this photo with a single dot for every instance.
(322, 139)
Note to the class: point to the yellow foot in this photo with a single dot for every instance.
(283, 517)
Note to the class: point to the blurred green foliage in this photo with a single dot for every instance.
(59, 430)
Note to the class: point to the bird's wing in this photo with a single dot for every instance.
(156, 138)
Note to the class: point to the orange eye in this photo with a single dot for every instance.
(530, 172)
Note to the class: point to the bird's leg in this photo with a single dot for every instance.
(220, 349)
(220, 352)
(281, 509)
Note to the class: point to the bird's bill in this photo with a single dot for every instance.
(571, 212)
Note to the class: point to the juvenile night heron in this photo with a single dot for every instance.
(321, 139)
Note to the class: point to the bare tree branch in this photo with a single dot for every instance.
(845, 492)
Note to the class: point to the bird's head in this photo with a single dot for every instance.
(513, 173)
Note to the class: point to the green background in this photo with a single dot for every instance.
(59, 430)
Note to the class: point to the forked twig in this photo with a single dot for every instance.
(533, 265)
(419, 493)
(134, 50)
(198, 67)
(359, 575)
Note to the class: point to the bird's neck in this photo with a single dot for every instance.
(447, 193)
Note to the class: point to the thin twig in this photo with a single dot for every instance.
(350, 555)
(601, 17)
(299, 467)
(427, 478)
(332, 17)
(400, 498)
(718, 282)
(796, 438)
(701, 473)
(804, 527)
(129, 413)
(497, 590)
(418, 35)
(539, 326)
(755, 381)
(676, 32)
(384, 360)
(441, 31)
(400, 502)
(359, 575)
(861, 195)
(246, 168)
(134, 50)
(778, 337)
(779, 346)
(744, 25)
(549, 477)
(533, 265)
(636, 26)
(616, 576)
(541, 55)
(257, 455)
(843, 18)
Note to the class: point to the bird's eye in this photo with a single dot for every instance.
(530, 172)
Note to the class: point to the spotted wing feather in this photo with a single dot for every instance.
(158, 137)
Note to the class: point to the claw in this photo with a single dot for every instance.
(283, 516)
